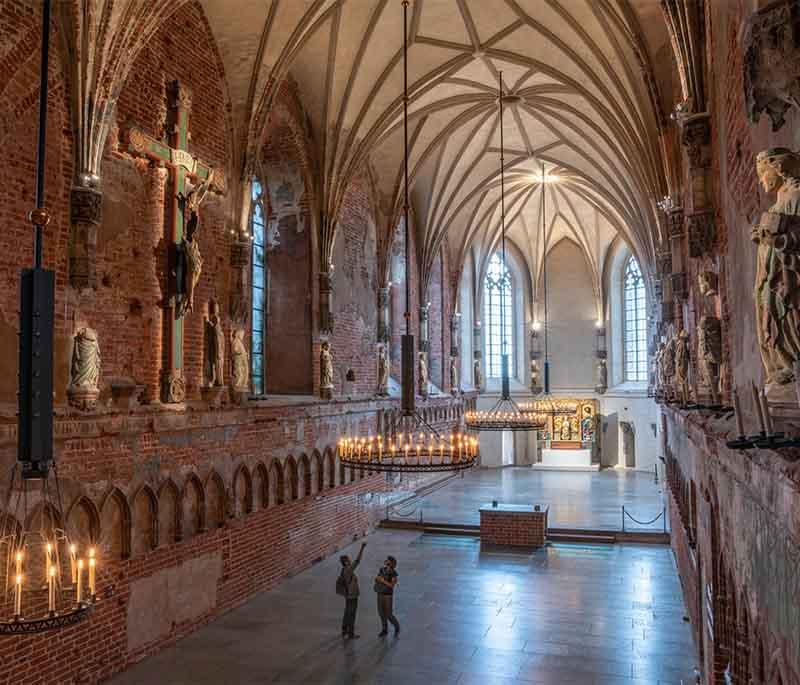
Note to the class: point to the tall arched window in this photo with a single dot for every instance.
(258, 281)
(634, 315)
(498, 307)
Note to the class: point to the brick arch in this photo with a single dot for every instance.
(330, 468)
(317, 473)
(115, 526)
(169, 513)
(145, 521)
(242, 491)
(193, 506)
(216, 501)
(83, 522)
(303, 476)
(260, 486)
(277, 489)
(291, 484)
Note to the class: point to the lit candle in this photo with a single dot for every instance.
(79, 586)
(738, 412)
(18, 596)
(19, 563)
(92, 567)
(51, 590)
(765, 409)
(759, 408)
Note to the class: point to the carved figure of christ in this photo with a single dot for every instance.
(182, 166)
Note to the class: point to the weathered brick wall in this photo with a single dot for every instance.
(513, 529)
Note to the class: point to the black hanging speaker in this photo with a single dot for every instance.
(407, 368)
(35, 428)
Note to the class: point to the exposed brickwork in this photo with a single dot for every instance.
(514, 528)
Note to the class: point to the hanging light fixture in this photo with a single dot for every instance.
(44, 576)
(544, 282)
(505, 415)
(410, 444)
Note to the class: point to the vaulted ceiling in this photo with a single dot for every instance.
(579, 92)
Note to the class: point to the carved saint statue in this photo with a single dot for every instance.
(190, 257)
(602, 376)
(422, 363)
(777, 286)
(682, 365)
(85, 368)
(383, 371)
(709, 354)
(240, 361)
(478, 373)
(668, 367)
(326, 369)
(215, 347)
(534, 374)
(454, 375)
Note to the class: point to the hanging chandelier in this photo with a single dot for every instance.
(44, 574)
(506, 414)
(410, 444)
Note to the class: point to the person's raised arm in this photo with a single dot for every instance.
(360, 554)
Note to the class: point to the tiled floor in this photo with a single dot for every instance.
(594, 615)
(591, 500)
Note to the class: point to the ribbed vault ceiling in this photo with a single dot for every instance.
(578, 93)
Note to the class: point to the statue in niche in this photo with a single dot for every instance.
(326, 371)
(84, 382)
(709, 354)
(478, 373)
(240, 362)
(602, 376)
(189, 258)
(574, 430)
(777, 286)
(707, 283)
(668, 367)
(587, 425)
(659, 380)
(534, 375)
(683, 362)
(628, 443)
(422, 363)
(215, 347)
(383, 371)
(454, 375)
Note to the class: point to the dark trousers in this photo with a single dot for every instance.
(349, 618)
(386, 612)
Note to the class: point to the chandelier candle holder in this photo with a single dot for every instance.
(411, 444)
(36, 553)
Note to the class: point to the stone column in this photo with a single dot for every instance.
(86, 213)
(239, 304)
(478, 372)
(536, 355)
(424, 328)
(601, 384)
(326, 301)
(384, 324)
(455, 333)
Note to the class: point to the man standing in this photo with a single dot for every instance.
(347, 586)
(385, 582)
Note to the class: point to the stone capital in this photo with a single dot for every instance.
(86, 214)
(696, 137)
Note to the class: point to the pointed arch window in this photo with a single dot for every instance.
(634, 315)
(498, 292)
(258, 280)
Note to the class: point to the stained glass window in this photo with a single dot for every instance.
(258, 280)
(635, 323)
(498, 314)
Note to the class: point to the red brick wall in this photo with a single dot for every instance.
(513, 529)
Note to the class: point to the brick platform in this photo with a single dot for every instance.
(513, 525)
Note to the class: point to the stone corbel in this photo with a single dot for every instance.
(696, 138)
(675, 225)
(86, 214)
(702, 234)
(772, 61)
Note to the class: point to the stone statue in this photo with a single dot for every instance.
(534, 374)
(191, 259)
(215, 347)
(602, 376)
(683, 362)
(240, 362)
(777, 286)
(709, 354)
(668, 368)
(478, 373)
(422, 362)
(383, 371)
(84, 381)
(326, 371)
(707, 283)
(659, 378)
(454, 375)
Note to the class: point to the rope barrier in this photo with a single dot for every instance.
(643, 523)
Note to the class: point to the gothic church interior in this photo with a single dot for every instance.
(506, 289)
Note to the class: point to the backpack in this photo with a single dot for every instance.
(341, 585)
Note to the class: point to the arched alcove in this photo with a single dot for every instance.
(169, 513)
(193, 505)
(145, 521)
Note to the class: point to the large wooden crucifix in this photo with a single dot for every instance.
(183, 252)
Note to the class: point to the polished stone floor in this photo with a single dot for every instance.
(567, 614)
(576, 499)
